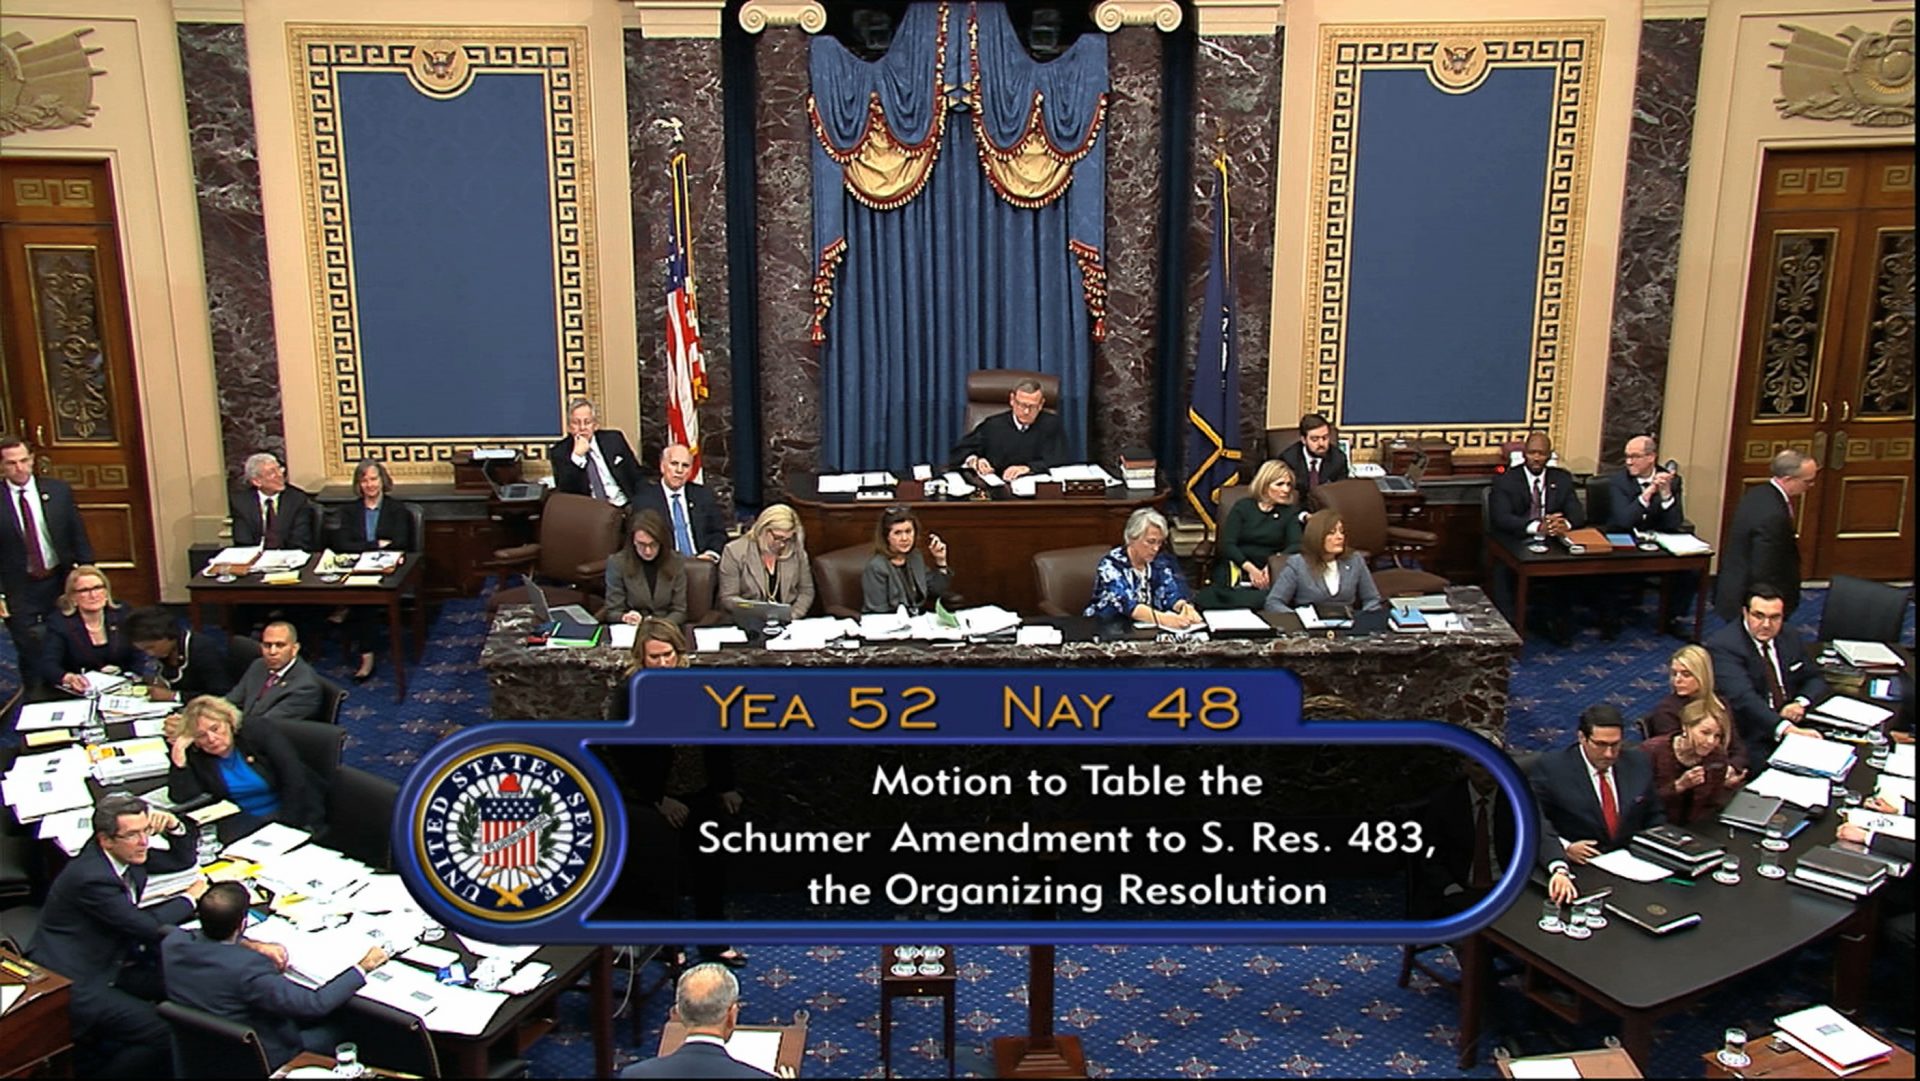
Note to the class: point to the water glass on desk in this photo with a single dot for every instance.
(1596, 914)
(1729, 872)
(1770, 861)
(346, 1060)
(1576, 925)
(1733, 1054)
(1550, 917)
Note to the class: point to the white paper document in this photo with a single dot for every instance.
(1682, 544)
(838, 483)
(1236, 619)
(1558, 1066)
(241, 557)
(431, 956)
(1800, 791)
(1894, 789)
(315, 957)
(621, 635)
(759, 1048)
(1832, 1035)
(1084, 471)
(957, 485)
(516, 954)
(1867, 654)
(525, 978)
(1852, 710)
(712, 639)
(885, 626)
(270, 840)
(1044, 635)
(1629, 866)
(1900, 760)
(68, 713)
(1805, 754)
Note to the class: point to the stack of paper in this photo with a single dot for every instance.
(1849, 713)
(42, 784)
(957, 485)
(885, 626)
(314, 957)
(270, 840)
(99, 683)
(381, 562)
(1867, 654)
(1900, 760)
(1797, 790)
(1236, 620)
(67, 713)
(1088, 471)
(1825, 1036)
(68, 829)
(161, 888)
(711, 639)
(131, 707)
(1812, 757)
(121, 761)
(281, 559)
(813, 633)
(1682, 544)
(1044, 635)
(232, 561)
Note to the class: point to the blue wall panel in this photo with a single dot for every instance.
(1448, 195)
(453, 255)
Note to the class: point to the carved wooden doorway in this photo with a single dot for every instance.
(1826, 354)
(68, 357)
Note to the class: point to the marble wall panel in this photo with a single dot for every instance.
(1237, 104)
(1656, 194)
(1120, 415)
(668, 80)
(233, 238)
(789, 361)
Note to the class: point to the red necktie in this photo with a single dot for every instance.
(30, 533)
(1775, 692)
(1609, 810)
(1480, 875)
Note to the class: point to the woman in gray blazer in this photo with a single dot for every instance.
(1324, 571)
(896, 575)
(768, 563)
(646, 578)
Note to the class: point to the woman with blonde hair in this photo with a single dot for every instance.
(768, 563)
(1690, 675)
(254, 766)
(1264, 524)
(87, 634)
(1691, 774)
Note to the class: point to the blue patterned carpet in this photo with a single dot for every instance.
(1144, 1011)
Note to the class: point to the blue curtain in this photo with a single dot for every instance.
(945, 275)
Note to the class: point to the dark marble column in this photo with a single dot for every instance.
(1120, 415)
(789, 362)
(1237, 99)
(1656, 195)
(233, 241)
(667, 80)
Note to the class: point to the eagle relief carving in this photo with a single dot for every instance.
(45, 86)
(1858, 75)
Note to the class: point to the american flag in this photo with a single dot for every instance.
(686, 367)
(500, 816)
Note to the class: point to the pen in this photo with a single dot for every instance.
(1687, 882)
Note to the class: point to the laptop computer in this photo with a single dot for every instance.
(517, 492)
(572, 620)
(753, 616)
(1407, 483)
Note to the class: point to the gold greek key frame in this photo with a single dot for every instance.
(317, 54)
(1573, 51)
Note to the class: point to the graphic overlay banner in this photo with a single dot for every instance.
(1003, 805)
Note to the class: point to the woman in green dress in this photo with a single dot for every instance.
(1257, 528)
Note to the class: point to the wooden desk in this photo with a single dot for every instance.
(1604, 1062)
(940, 985)
(993, 540)
(793, 1040)
(1557, 562)
(526, 1018)
(1791, 1063)
(249, 589)
(37, 1031)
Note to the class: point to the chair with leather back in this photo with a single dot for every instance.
(836, 579)
(318, 745)
(702, 583)
(242, 651)
(1063, 577)
(577, 535)
(1599, 500)
(208, 1046)
(1363, 512)
(1863, 611)
(989, 388)
(1279, 439)
(362, 823)
(332, 695)
(1208, 550)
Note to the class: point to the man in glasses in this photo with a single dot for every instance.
(94, 932)
(1765, 676)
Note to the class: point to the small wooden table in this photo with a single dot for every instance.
(1792, 1063)
(1557, 562)
(921, 984)
(1609, 1061)
(37, 1030)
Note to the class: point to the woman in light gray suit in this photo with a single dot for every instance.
(768, 563)
(646, 578)
(1324, 571)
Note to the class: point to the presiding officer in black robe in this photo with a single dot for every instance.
(1025, 439)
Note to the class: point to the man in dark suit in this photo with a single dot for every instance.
(1316, 459)
(1598, 793)
(279, 686)
(594, 461)
(93, 933)
(214, 970)
(1471, 827)
(707, 1001)
(1644, 497)
(699, 529)
(270, 512)
(1025, 439)
(41, 539)
(1761, 545)
(1763, 673)
(1536, 500)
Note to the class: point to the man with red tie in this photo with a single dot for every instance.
(1596, 794)
(279, 686)
(1765, 676)
(41, 539)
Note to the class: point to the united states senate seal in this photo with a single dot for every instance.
(509, 832)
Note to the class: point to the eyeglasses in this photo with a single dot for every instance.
(90, 589)
(129, 835)
(1603, 745)
(1766, 617)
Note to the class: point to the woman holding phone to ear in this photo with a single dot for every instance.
(898, 575)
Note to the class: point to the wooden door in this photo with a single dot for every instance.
(1826, 359)
(68, 357)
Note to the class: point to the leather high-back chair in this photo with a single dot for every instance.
(1363, 512)
(702, 581)
(208, 1046)
(577, 535)
(988, 389)
(1862, 610)
(836, 579)
(360, 819)
(1063, 577)
(1599, 500)
(317, 745)
(1279, 439)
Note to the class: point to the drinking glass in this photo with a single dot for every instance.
(1770, 863)
(1576, 927)
(346, 1060)
(1734, 1053)
(1776, 839)
(1729, 872)
(1596, 915)
(1550, 917)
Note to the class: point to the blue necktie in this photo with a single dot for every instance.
(682, 535)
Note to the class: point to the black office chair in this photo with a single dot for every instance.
(242, 651)
(317, 744)
(17, 927)
(362, 827)
(209, 1046)
(331, 696)
(398, 1042)
(1863, 611)
(1599, 500)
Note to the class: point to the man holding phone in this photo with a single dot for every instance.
(1646, 499)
